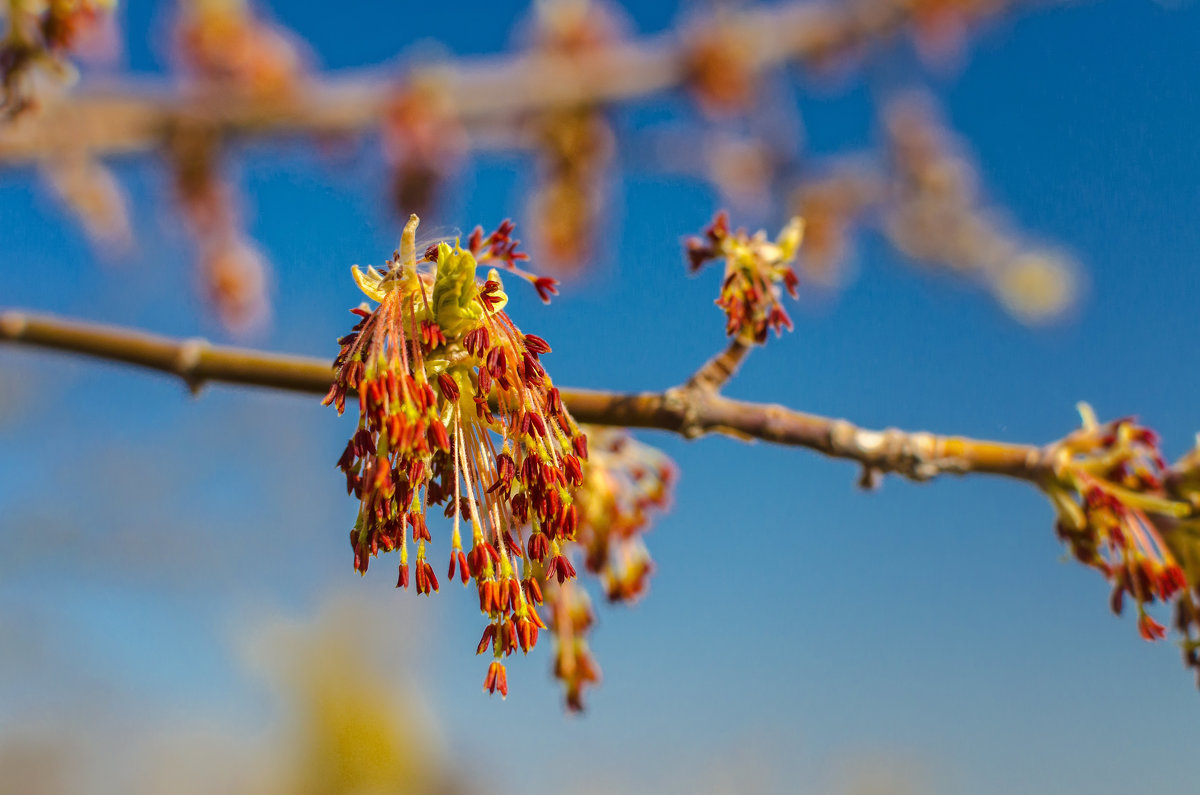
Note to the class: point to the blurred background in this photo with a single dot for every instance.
(1002, 206)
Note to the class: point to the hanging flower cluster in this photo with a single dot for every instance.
(455, 409)
(571, 618)
(424, 141)
(623, 483)
(38, 36)
(1115, 515)
(754, 270)
(574, 143)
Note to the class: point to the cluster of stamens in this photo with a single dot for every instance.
(1115, 515)
(456, 410)
(754, 270)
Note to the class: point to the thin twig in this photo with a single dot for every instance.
(687, 411)
(717, 371)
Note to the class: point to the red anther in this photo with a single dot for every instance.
(537, 422)
(488, 596)
(506, 468)
(402, 580)
(513, 546)
(573, 470)
(420, 531)
(1149, 628)
(530, 471)
(496, 362)
(475, 240)
(570, 521)
(448, 387)
(545, 287)
(538, 547)
(487, 295)
(561, 568)
(533, 372)
(533, 591)
(477, 560)
(791, 281)
(553, 510)
(496, 679)
(438, 435)
(485, 382)
(527, 634)
(489, 636)
(520, 508)
(510, 636)
(536, 345)
(554, 402)
(514, 593)
(581, 446)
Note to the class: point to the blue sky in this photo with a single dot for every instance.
(796, 628)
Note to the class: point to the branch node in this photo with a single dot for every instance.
(681, 400)
(870, 479)
(188, 360)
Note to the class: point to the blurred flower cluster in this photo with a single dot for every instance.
(924, 196)
(226, 48)
(424, 142)
(934, 216)
(38, 36)
(624, 482)
(574, 145)
(227, 44)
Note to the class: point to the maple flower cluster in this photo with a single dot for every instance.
(456, 410)
(754, 270)
(1115, 515)
(38, 35)
(624, 483)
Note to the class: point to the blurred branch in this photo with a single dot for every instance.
(128, 117)
(690, 410)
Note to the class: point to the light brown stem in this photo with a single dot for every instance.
(717, 371)
(687, 411)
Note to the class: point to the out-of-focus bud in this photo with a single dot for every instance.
(235, 279)
(225, 42)
(91, 191)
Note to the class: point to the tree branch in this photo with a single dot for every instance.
(684, 410)
(125, 117)
(717, 371)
